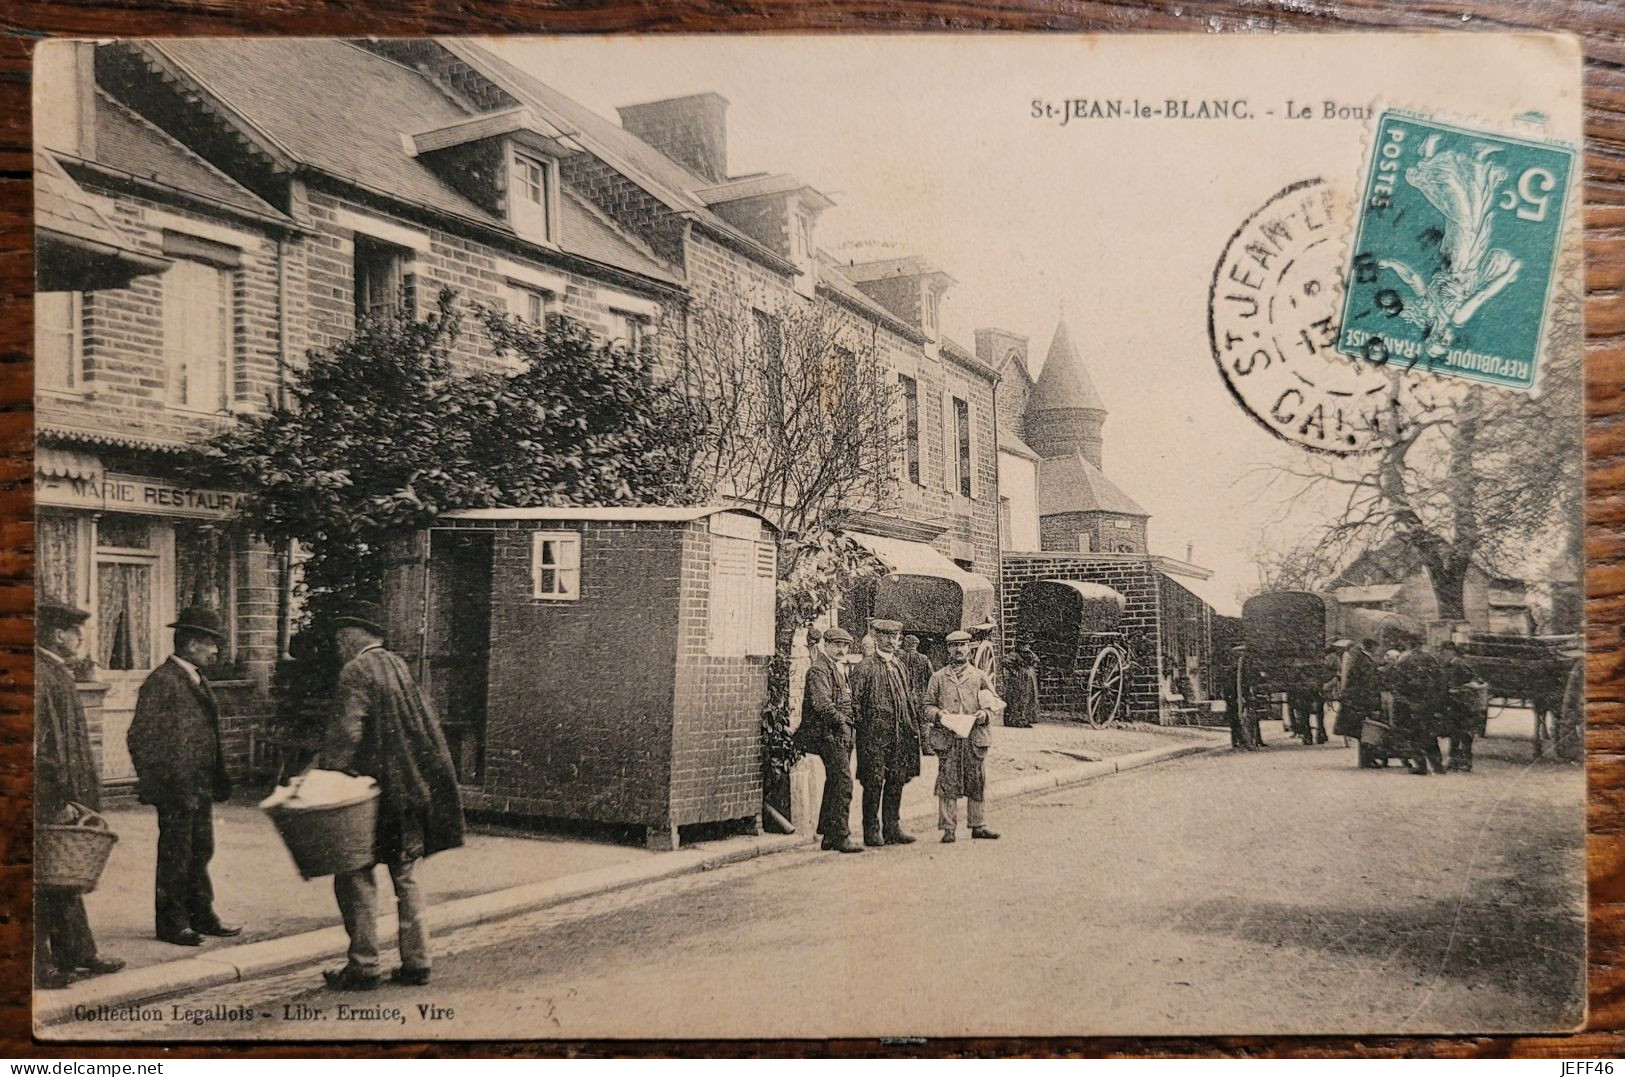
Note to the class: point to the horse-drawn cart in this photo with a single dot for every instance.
(1084, 658)
(1523, 671)
(1287, 634)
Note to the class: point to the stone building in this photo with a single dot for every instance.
(1392, 577)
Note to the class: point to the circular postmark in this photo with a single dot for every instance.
(1272, 321)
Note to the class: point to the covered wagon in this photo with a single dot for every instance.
(1076, 629)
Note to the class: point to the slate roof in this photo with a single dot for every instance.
(61, 206)
(130, 144)
(341, 110)
(671, 183)
(1073, 484)
(1063, 383)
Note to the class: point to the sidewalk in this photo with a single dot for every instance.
(289, 922)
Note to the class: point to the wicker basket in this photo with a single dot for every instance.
(329, 839)
(1375, 734)
(71, 856)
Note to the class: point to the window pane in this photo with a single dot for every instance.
(56, 568)
(124, 532)
(56, 339)
(197, 333)
(124, 616)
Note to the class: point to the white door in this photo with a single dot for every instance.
(133, 599)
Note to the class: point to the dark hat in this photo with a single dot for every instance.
(200, 619)
(49, 614)
(911, 639)
(886, 626)
(959, 637)
(368, 615)
(814, 634)
(837, 635)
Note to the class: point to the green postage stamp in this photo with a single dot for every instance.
(1455, 249)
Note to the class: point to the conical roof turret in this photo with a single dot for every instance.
(1064, 383)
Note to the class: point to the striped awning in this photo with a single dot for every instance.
(66, 465)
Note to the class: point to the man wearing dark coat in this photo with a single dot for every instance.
(1461, 717)
(1021, 686)
(174, 742)
(888, 729)
(1418, 683)
(64, 774)
(826, 730)
(1359, 694)
(382, 728)
(919, 675)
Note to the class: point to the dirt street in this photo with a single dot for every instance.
(1279, 891)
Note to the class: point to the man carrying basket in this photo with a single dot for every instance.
(381, 727)
(64, 774)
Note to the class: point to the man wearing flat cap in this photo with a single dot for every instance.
(180, 767)
(64, 775)
(826, 730)
(960, 688)
(888, 728)
(382, 727)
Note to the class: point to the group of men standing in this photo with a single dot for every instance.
(890, 708)
(381, 727)
(1427, 701)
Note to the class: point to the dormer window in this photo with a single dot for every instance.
(533, 197)
(804, 235)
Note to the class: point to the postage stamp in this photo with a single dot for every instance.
(1452, 265)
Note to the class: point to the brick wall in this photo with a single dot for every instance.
(580, 704)
(1132, 577)
(1059, 532)
(1062, 431)
(126, 383)
(716, 767)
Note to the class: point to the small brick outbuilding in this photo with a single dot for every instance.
(597, 664)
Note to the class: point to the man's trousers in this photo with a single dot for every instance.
(184, 895)
(835, 811)
(62, 938)
(357, 893)
(883, 805)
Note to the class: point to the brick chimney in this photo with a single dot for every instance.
(693, 131)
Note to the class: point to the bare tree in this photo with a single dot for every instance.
(1484, 476)
(804, 425)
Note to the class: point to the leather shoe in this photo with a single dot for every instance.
(53, 979)
(350, 978)
(219, 930)
(184, 937)
(846, 845)
(873, 838)
(409, 977)
(948, 837)
(984, 832)
(898, 837)
(101, 966)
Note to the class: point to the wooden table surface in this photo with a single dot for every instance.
(1599, 23)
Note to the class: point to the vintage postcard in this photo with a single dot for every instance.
(808, 536)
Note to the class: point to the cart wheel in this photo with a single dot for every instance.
(1497, 706)
(1108, 678)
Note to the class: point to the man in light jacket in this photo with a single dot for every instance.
(961, 761)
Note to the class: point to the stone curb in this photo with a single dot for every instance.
(240, 963)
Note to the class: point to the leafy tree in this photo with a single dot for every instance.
(383, 432)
